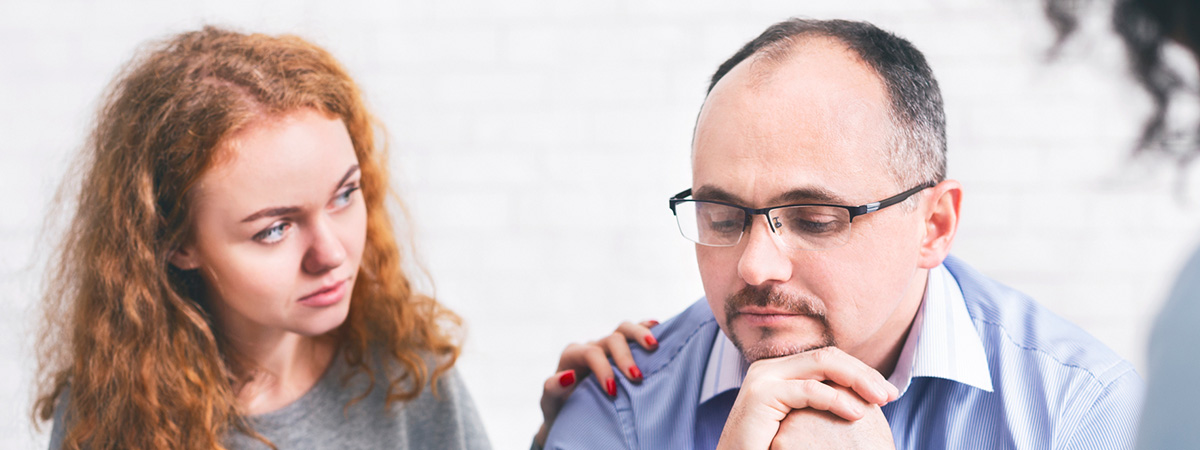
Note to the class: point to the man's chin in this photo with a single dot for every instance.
(758, 343)
(770, 349)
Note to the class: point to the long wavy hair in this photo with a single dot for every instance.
(129, 348)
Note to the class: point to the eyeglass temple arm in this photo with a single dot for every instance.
(680, 196)
(876, 206)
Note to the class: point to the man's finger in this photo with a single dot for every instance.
(801, 394)
(831, 364)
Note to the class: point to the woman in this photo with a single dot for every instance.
(1147, 27)
(231, 278)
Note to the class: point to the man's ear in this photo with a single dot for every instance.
(941, 222)
(185, 258)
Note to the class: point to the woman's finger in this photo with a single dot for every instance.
(640, 333)
(617, 347)
(555, 391)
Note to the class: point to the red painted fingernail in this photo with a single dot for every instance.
(611, 386)
(636, 372)
(651, 341)
(567, 379)
(653, 322)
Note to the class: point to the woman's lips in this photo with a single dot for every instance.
(325, 296)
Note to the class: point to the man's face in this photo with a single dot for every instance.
(812, 128)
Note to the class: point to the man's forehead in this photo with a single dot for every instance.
(774, 61)
(816, 127)
(803, 65)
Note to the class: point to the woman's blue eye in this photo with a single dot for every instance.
(273, 234)
(343, 198)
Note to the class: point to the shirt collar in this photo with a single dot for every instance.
(954, 351)
(957, 355)
(726, 368)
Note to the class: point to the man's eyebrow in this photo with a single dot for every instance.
(807, 194)
(708, 192)
(810, 194)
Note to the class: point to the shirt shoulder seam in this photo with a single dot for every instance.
(687, 340)
(1090, 372)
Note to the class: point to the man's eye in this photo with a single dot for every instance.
(814, 224)
(814, 227)
(810, 220)
(725, 226)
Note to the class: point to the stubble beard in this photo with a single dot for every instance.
(751, 296)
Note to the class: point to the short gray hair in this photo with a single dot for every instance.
(918, 138)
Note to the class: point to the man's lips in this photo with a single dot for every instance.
(765, 311)
(766, 316)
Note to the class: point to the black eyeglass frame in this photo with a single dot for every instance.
(854, 211)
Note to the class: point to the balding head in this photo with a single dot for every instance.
(917, 141)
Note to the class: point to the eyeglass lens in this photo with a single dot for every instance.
(806, 227)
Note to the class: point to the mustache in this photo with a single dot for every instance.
(774, 298)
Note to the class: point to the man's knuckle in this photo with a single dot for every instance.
(810, 388)
(820, 355)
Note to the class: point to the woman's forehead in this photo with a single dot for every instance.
(301, 153)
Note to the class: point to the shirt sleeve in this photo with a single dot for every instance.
(589, 419)
(1111, 421)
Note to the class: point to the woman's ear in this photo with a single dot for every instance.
(941, 222)
(184, 258)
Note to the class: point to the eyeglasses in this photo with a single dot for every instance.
(802, 226)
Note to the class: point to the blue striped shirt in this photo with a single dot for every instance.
(985, 367)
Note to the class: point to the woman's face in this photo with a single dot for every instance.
(279, 227)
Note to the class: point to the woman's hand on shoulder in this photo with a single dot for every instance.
(580, 360)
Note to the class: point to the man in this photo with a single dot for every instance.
(823, 221)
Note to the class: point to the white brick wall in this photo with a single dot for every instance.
(536, 142)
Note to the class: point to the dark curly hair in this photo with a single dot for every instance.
(1146, 26)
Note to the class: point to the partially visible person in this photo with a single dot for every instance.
(1169, 420)
(840, 320)
(231, 278)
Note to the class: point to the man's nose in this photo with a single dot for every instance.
(325, 252)
(763, 259)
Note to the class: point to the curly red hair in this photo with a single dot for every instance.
(127, 335)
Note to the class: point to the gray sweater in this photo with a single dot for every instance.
(320, 420)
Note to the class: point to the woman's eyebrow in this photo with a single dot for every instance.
(353, 168)
(272, 212)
